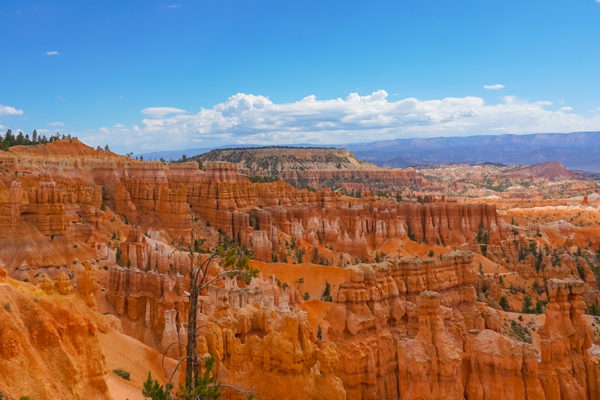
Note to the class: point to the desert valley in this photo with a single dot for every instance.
(453, 281)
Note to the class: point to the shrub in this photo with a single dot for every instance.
(326, 296)
(504, 303)
(540, 306)
(593, 310)
(8, 307)
(483, 248)
(519, 333)
(119, 256)
(527, 305)
(122, 373)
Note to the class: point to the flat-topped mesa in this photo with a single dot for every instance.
(223, 172)
(316, 167)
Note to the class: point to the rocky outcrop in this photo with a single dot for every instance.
(145, 302)
(496, 367)
(46, 351)
(271, 354)
(429, 364)
(400, 339)
(568, 370)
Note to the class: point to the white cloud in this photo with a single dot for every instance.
(496, 86)
(255, 119)
(56, 124)
(157, 112)
(173, 5)
(52, 53)
(566, 109)
(7, 110)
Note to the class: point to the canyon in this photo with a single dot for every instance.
(459, 288)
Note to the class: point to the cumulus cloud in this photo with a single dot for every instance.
(6, 110)
(157, 112)
(496, 86)
(255, 119)
(52, 53)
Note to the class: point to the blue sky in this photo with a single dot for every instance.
(159, 75)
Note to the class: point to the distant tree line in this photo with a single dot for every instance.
(10, 139)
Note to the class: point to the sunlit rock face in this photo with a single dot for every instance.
(422, 322)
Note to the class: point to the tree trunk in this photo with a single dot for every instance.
(191, 369)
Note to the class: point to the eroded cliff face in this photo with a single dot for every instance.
(47, 351)
(116, 231)
(400, 325)
(570, 366)
(67, 191)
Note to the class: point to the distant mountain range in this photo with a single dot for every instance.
(576, 151)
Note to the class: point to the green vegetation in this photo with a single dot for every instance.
(198, 245)
(379, 257)
(119, 256)
(261, 179)
(9, 139)
(519, 333)
(540, 306)
(581, 271)
(593, 310)
(299, 255)
(527, 305)
(319, 333)
(206, 387)
(122, 373)
(504, 303)
(8, 307)
(483, 248)
(482, 236)
(326, 296)
(357, 194)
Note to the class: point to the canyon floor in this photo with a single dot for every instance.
(446, 282)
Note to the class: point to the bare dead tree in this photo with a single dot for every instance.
(233, 259)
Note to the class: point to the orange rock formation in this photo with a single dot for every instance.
(102, 233)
